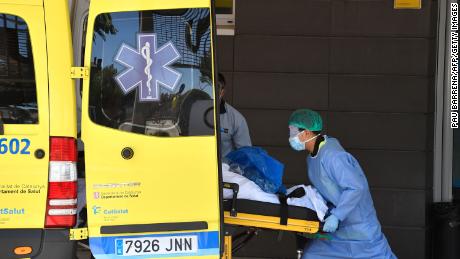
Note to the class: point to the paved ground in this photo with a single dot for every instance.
(83, 253)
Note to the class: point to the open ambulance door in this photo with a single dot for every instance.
(151, 151)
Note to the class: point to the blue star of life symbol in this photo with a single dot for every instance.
(147, 67)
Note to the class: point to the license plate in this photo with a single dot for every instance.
(156, 245)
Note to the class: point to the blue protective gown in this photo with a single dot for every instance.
(340, 180)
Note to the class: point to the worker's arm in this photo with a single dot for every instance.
(241, 136)
(346, 172)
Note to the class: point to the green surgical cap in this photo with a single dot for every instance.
(306, 119)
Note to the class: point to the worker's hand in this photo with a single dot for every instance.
(331, 224)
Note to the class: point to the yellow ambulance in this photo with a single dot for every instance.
(38, 128)
(147, 125)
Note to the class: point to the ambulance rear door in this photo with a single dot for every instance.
(151, 152)
(24, 115)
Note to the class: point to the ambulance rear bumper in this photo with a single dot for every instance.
(45, 243)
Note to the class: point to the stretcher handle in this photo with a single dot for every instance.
(235, 188)
(321, 226)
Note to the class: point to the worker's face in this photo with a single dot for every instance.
(301, 139)
(222, 93)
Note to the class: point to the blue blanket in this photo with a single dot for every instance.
(255, 164)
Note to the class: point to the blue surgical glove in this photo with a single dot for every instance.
(331, 224)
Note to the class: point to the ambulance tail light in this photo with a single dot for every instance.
(61, 207)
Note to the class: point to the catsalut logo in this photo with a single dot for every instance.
(12, 211)
(99, 210)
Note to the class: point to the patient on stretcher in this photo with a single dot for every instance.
(249, 190)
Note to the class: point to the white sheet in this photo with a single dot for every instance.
(251, 191)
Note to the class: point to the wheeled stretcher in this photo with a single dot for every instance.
(261, 215)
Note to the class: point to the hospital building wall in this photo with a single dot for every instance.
(369, 69)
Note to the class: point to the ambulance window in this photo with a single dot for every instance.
(18, 97)
(151, 72)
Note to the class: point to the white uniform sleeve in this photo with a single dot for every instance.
(241, 136)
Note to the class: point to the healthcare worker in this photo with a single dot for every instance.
(234, 131)
(336, 174)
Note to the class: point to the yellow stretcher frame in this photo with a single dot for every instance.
(261, 221)
(265, 222)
